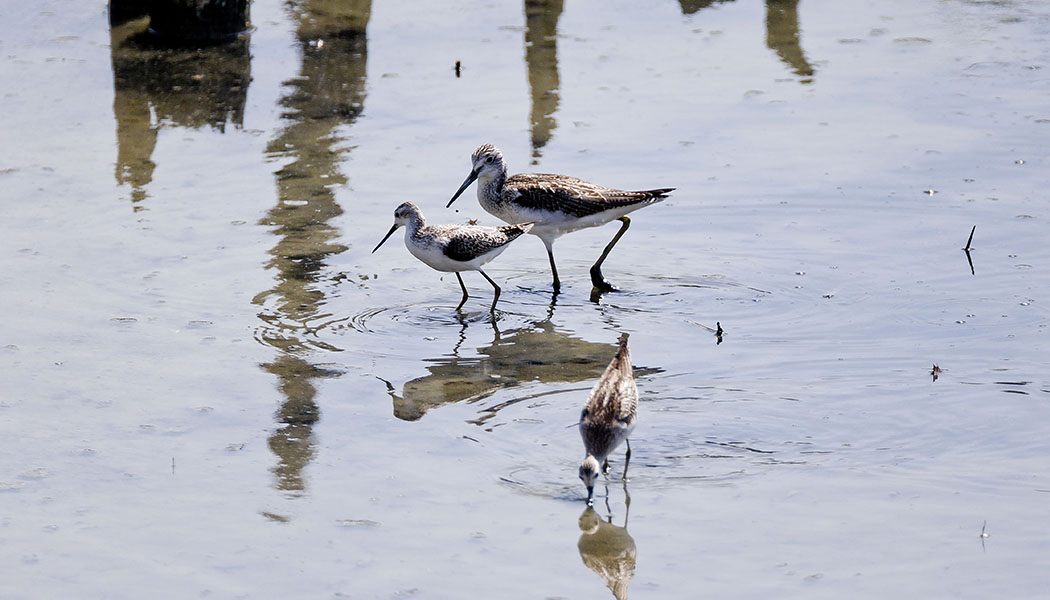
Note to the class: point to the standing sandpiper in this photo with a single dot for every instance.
(557, 204)
(608, 417)
(453, 248)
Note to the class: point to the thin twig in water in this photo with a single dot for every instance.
(718, 331)
(969, 259)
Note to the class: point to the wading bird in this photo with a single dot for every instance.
(555, 204)
(453, 248)
(608, 417)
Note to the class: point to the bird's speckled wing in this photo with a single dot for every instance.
(467, 243)
(614, 398)
(544, 191)
(615, 395)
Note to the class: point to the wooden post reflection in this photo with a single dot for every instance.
(690, 7)
(541, 59)
(325, 97)
(782, 36)
(178, 86)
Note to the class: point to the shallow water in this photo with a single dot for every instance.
(215, 388)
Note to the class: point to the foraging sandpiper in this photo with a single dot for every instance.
(556, 204)
(453, 248)
(608, 417)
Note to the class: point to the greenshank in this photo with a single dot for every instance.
(453, 248)
(556, 204)
(608, 417)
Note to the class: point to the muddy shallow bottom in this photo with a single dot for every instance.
(215, 388)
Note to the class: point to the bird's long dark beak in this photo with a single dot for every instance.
(386, 237)
(590, 496)
(470, 179)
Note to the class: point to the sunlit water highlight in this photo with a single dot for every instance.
(213, 387)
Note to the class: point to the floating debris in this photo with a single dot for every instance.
(37, 473)
(718, 331)
(357, 523)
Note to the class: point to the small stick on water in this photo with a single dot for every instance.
(713, 330)
(969, 259)
(718, 331)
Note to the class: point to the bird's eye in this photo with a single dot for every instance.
(488, 159)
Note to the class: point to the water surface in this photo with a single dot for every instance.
(215, 388)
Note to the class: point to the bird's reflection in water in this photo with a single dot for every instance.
(608, 550)
(538, 352)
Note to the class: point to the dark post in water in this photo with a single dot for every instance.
(190, 21)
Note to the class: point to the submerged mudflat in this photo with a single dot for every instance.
(213, 387)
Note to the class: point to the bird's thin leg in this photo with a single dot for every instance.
(465, 296)
(627, 503)
(554, 268)
(627, 459)
(605, 466)
(597, 278)
(495, 287)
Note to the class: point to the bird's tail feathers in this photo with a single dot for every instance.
(660, 194)
(515, 230)
(623, 354)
